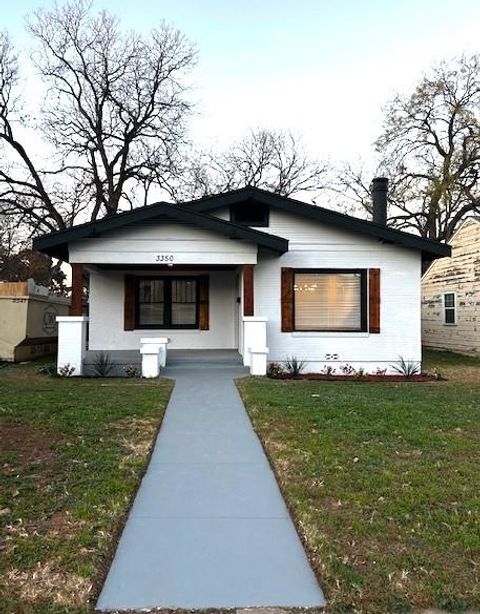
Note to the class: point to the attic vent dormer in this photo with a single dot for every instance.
(250, 213)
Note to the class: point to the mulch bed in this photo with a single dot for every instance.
(356, 378)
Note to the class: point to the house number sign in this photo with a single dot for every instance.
(164, 258)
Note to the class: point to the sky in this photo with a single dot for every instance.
(323, 69)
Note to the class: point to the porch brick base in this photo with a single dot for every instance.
(255, 349)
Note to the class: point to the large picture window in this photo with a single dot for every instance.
(330, 300)
(167, 302)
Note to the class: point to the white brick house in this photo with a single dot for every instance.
(251, 271)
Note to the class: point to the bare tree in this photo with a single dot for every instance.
(272, 160)
(23, 193)
(430, 149)
(114, 115)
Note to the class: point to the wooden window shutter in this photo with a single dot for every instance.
(203, 307)
(374, 300)
(129, 304)
(287, 300)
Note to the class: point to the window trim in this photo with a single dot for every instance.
(363, 301)
(167, 302)
(454, 309)
(255, 224)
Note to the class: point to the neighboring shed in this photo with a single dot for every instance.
(451, 295)
(28, 326)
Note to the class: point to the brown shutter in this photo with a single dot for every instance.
(76, 307)
(374, 300)
(287, 300)
(129, 304)
(203, 307)
(248, 297)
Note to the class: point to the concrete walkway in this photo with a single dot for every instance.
(209, 527)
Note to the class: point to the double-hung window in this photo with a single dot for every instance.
(449, 308)
(167, 302)
(330, 300)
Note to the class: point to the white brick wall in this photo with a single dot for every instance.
(144, 244)
(317, 246)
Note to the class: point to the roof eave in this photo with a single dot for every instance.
(429, 248)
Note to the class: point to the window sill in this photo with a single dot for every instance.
(168, 331)
(450, 324)
(359, 335)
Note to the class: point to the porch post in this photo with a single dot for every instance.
(77, 290)
(248, 291)
(72, 343)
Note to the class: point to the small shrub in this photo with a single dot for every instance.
(102, 365)
(407, 368)
(360, 373)
(275, 370)
(66, 370)
(434, 374)
(347, 369)
(380, 372)
(50, 370)
(131, 371)
(328, 370)
(294, 366)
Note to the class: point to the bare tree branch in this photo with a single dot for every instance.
(117, 103)
(272, 160)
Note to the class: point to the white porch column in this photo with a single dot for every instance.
(254, 337)
(72, 342)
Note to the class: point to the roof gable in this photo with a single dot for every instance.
(430, 249)
(56, 244)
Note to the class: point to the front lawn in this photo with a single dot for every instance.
(383, 481)
(72, 452)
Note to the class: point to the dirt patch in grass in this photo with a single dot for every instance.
(25, 445)
(62, 525)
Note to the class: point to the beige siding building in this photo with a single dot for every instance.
(451, 295)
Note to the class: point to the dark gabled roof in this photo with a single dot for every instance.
(430, 249)
(56, 243)
(195, 212)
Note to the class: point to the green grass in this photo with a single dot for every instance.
(383, 480)
(72, 452)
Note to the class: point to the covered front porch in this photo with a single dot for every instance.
(163, 275)
(119, 323)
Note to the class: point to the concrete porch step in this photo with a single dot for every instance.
(175, 358)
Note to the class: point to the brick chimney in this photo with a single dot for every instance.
(379, 200)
